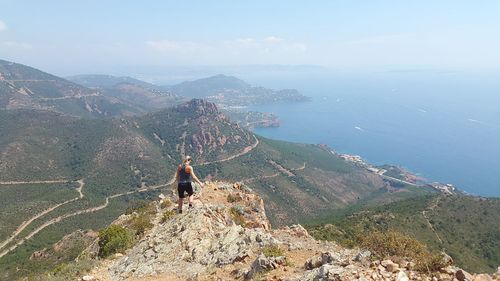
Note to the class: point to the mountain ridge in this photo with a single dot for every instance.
(231, 91)
(107, 81)
(23, 86)
(227, 236)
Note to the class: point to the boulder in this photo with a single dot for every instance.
(326, 258)
(313, 262)
(362, 256)
(497, 274)
(263, 264)
(450, 270)
(446, 258)
(330, 272)
(299, 231)
(463, 275)
(392, 267)
(402, 276)
(384, 263)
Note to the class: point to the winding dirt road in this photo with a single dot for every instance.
(93, 209)
(272, 175)
(32, 182)
(25, 224)
(424, 214)
(85, 211)
(245, 151)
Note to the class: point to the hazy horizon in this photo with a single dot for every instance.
(68, 38)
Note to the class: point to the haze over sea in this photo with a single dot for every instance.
(442, 125)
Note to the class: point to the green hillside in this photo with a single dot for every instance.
(139, 94)
(117, 162)
(231, 91)
(124, 160)
(24, 87)
(107, 81)
(465, 227)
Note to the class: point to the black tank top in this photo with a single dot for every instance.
(184, 177)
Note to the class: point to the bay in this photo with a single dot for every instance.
(444, 126)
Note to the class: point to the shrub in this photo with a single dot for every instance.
(429, 262)
(141, 223)
(113, 239)
(231, 198)
(392, 243)
(272, 251)
(237, 216)
(70, 271)
(167, 215)
(166, 203)
(239, 209)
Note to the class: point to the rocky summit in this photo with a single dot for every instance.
(226, 236)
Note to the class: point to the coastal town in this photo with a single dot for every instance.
(397, 174)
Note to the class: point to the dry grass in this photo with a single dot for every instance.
(167, 215)
(392, 243)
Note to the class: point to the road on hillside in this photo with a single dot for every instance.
(245, 151)
(25, 224)
(84, 211)
(97, 208)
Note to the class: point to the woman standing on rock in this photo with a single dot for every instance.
(183, 176)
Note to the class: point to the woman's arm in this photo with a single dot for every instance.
(191, 171)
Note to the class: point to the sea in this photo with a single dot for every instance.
(443, 125)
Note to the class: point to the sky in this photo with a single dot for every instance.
(66, 37)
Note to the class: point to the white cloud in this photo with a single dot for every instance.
(17, 45)
(240, 44)
(270, 49)
(245, 40)
(273, 39)
(3, 26)
(266, 45)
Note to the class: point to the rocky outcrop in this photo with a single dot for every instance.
(198, 107)
(198, 128)
(226, 236)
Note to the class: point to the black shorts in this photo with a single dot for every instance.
(184, 187)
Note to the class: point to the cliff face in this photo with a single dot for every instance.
(227, 236)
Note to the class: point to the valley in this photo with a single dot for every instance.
(68, 169)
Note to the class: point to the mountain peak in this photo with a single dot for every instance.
(198, 107)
